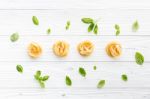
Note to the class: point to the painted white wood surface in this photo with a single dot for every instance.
(15, 16)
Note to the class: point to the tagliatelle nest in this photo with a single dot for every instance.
(85, 48)
(34, 50)
(61, 48)
(114, 49)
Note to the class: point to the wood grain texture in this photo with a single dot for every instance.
(16, 16)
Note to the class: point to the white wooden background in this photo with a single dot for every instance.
(15, 16)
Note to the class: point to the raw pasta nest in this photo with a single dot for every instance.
(34, 50)
(114, 49)
(85, 48)
(61, 48)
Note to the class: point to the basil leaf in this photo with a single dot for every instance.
(96, 29)
(37, 75)
(139, 58)
(42, 84)
(67, 25)
(48, 31)
(101, 84)
(91, 26)
(87, 20)
(94, 67)
(14, 37)
(117, 27)
(117, 32)
(68, 81)
(135, 26)
(35, 20)
(19, 68)
(124, 77)
(45, 78)
(82, 72)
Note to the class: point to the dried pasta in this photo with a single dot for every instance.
(61, 48)
(34, 50)
(114, 49)
(85, 48)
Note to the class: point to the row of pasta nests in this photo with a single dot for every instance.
(85, 48)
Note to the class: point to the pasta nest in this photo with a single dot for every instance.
(34, 50)
(61, 48)
(114, 49)
(85, 48)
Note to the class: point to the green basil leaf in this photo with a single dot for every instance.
(94, 67)
(35, 20)
(91, 26)
(101, 84)
(117, 32)
(19, 68)
(37, 75)
(135, 26)
(139, 58)
(96, 29)
(124, 77)
(67, 25)
(82, 71)
(42, 84)
(45, 78)
(14, 37)
(48, 31)
(117, 27)
(87, 20)
(68, 81)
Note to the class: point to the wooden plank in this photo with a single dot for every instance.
(68, 4)
(75, 93)
(18, 51)
(13, 21)
(138, 76)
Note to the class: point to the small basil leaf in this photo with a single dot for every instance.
(96, 29)
(91, 26)
(67, 25)
(117, 27)
(135, 26)
(19, 68)
(68, 81)
(117, 32)
(35, 20)
(42, 84)
(87, 20)
(82, 72)
(139, 58)
(94, 67)
(14, 37)
(101, 84)
(124, 77)
(48, 31)
(45, 78)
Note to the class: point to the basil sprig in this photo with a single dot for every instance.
(93, 26)
(41, 79)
